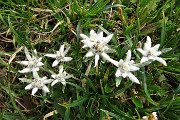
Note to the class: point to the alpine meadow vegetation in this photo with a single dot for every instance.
(90, 60)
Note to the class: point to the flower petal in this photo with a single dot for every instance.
(161, 60)
(118, 81)
(35, 75)
(93, 33)
(142, 51)
(128, 56)
(53, 76)
(34, 90)
(67, 76)
(89, 54)
(143, 59)
(35, 69)
(63, 81)
(156, 47)
(54, 82)
(40, 59)
(47, 81)
(87, 43)
(25, 70)
(55, 63)
(96, 60)
(118, 73)
(157, 53)
(133, 78)
(84, 37)
(147, 45)
(106, 57)
(124, 74)
(100, 35)
(107, 39)
(66, 59)
(133, 68)
(27, 53)
(50, 55)
(40, 64)
(44, 78)
(65, 52)
(61, 49)
(60, 69)
(30, 86)
(45, 89)
(23, 62)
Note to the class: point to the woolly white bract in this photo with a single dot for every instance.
(32, 64)
(38, 83)
(126, 67)
(60, 77)
(151, 53)
(60, 56)
(97, 45)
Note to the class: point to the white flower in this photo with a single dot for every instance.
(60, 77)
(151, 53)
(32, 64)
(97, 44)
(152, 116)
(38, 83)
(60, 56)
(92, 39)
(126, 67)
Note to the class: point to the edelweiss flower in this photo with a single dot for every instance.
(32, 64)
(97, 44)
(152, 116)
(60, 56)
(151, 53)
(126, 67)
(60, 77)
(38, 83)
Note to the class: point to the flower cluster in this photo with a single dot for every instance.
(33, 65)
(98, 47)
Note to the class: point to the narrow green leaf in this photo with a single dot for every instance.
(121, 90)
(146, 91)
(163, 31)
(137, 102)
(119, 112)
(67, 113)
(78, 102)
(111, 114)
(97, 7)
(77, 86)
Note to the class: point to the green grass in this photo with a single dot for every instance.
(46, 24)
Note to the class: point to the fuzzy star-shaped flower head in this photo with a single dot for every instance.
(152, 116)
(97, 44)
(151, 53)
(91, 40)
(60, 77)
(60, 56)
(32, 64)
(126, 67)
(38, 83)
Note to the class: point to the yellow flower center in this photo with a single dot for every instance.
(152, 52)
(92, 38)
(99, 47)
(125, 67)
(38, 83)
(59, 56)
